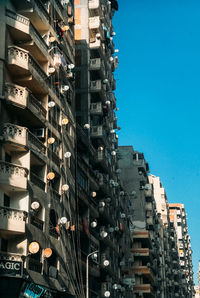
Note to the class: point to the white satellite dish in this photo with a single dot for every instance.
(63, 220)
(65, 187)
(87, 126)
(35, 205)
(67, 154)
(51, 104)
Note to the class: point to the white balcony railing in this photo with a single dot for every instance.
(12, 220)
(94, 22)
(13, 176)
(93, 4)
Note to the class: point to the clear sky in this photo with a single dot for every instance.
(158, 93)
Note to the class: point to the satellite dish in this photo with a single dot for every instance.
(105, 81)
(50, 175)
(51, 140)
(121, 193)
(102, 204)
(63, 220)
(34, 247)
(114, 33)
(123, 215)
(71, 66)
(118, 171)
(111, 230)
(65, 187)
(93, 224)
(52, 39)
(35, 205)
(47, 252)
(65, 121)
(65, 28)
(112, 131)
(65, 88)
(103, 234)
(93, 194)
(51, 70)
(100, 149)
(108, 102)
(67, 154)
(51, 104)
(111, 59)
(87, 126)
(116, 50)
(98, 35)
(106, 263)
(113, 153)
(107, 294)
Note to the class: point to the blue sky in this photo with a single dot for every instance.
(158, 94)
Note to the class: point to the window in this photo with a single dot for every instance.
(82, 180)
(6, 201)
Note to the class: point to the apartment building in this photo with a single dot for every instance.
(173, 282)
(102, 205)
(37, 150)
(178, 218)
(147, 228)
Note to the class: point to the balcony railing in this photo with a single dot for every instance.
(37, 181)
(34, 141)
(93, 4)
(94, 22)
(97, 131)
(26, 64)
(14, 133)
(17, 17)
(12, 220)
(23, 97)
(96, 108)
(13, 176)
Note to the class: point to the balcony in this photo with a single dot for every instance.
(13, 177)
(22, 98)
(96, 108)
(12, 221)
(97, 65)
(143, 270)
(98, 132)
(14, 136)
(36, 12)
(26, 71)
(94, 22)
(22, 30)
(96, 44)
(18, 138)
(98, 86)
(94, 4)
(143, 288)
(37, 181)
(140, 252)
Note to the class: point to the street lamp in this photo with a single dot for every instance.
(87, 271)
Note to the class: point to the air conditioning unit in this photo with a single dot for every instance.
(39, 132)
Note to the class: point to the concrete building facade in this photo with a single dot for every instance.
(37, 150)
(178, 218)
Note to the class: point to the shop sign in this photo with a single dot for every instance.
(11, 268)
(35, 291)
